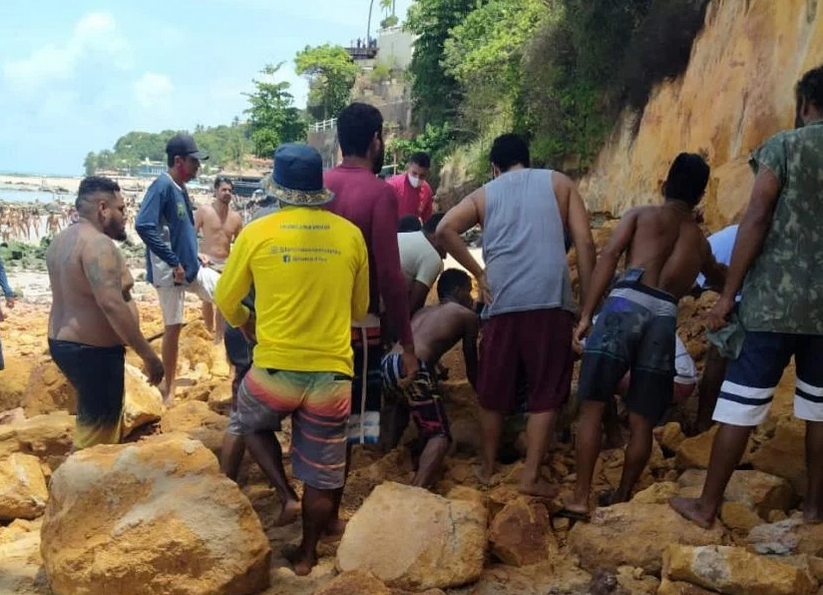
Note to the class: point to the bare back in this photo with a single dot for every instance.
(218, 232)
(669, 246)
(436, 329)
(75, 315)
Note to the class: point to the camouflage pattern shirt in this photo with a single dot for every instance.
(783, 291)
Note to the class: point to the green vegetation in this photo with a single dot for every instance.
(434, 140)
(331, 74)
(25, 256)
(273, 119)
(558, 72)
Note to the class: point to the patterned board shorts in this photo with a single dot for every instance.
(426, 404)
(319, 404)
(635, 331)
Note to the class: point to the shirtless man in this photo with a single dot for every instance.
(636, 329)
(5, 224)
(220, 226)
(35, 222)
(92, 314)
(436, 329)
(53, 224)
(25, 223)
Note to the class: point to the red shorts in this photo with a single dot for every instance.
(538, 343)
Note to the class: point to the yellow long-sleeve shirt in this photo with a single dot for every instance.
(310, 271)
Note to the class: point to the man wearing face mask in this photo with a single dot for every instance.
(166, 224)
(371, 204)
(92, 314)
(414, 195)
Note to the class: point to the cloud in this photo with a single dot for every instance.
(153, 90)
(94, 37)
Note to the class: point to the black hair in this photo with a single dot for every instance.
(409, 224)
(431, 224)
(223, 180)
(509, 150)
(687, 179)
(170, 160)
(356, 127)
(450, 281)
(422, 159)
(810, 88)
(92, 185)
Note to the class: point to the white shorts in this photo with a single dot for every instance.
(173, 299)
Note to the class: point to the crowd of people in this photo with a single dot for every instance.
(324, 299)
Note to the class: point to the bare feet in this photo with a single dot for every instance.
(690, 509)
(334, 531)
(574, 506)
(540, 488)
(290, 513)
(484, 476)
(300, 561)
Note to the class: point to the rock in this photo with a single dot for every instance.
(15, 379)
(739, 517)
(220, 398)
(12, 416)
(142, 403)
(812, 564)
(791, 536)
(354, 582)
(757, 490)
(636, 535)
(499, 496)
(48, 437)
(668, 587)
(433, 542)
(670, 436)
(521, 533)
(735, 571)
(196, 345)
(466, 493)
(657, 493)
(23, 492)
(694, 453)
(636, 582)
(560, 575)
(198, 421)
(152, 517)
(784, 454)
(48, 390)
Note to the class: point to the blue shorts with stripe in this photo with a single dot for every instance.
(751, 379)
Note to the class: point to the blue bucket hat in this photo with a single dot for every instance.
(297, 178)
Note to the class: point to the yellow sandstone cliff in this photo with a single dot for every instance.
(737, 91)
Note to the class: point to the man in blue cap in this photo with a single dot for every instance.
(165, 223)
(310, 271)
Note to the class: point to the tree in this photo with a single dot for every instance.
(90, 163)
(273, 119)
(435, 93)
(331, 75)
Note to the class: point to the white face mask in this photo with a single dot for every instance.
(414, 181)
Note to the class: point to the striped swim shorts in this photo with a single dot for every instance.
(319, 403)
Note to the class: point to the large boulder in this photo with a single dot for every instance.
(735, 571)
(636, 535)
(23, 492)
(787, 537)
(756, 490)
(48, 437)
(219, 399)
(152, 517)
(410, 538)
(354, 582)
(521, 533)
(15, 378)
(784, 454)
(48, 390)
(142, 403)
(668, 587)
(670, 436)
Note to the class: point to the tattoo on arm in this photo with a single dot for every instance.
(104, 267)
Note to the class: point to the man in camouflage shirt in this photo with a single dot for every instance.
(779, 252)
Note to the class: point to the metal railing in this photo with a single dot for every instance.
(329, 124)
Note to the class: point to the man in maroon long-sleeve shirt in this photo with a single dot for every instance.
(371, 204)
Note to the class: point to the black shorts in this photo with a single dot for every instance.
(424, 400)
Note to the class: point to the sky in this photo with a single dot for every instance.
(75, 76)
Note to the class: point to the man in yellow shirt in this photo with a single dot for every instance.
(310, 271)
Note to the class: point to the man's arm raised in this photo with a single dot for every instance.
(459, 219)
(103, 266)
(581, 233)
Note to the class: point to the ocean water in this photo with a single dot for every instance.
(9, 195)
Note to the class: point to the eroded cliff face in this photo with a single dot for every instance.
(737, 91)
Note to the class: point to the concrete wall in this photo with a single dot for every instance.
(395, 47)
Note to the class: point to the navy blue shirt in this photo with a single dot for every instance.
(165, 223)
(4, 282)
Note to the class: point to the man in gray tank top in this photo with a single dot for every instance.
(529, 311)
